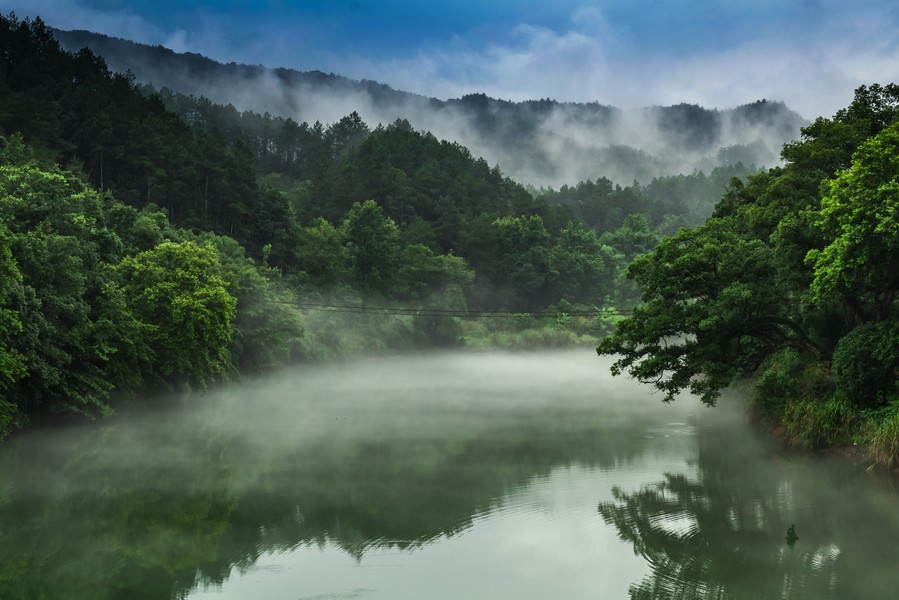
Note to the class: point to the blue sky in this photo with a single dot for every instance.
(808, 53)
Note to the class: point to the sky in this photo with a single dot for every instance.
(810, 54)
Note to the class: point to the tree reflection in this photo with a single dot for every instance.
(151, 507)
(723, 533)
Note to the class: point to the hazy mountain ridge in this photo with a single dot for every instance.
(541, 142)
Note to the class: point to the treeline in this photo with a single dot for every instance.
(78, 114)
(306, 152)
(793, 281)
(444, 198)
(528, 250)
(668, 202)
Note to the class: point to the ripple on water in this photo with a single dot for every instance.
(343, 595)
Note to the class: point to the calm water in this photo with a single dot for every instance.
(448, 476)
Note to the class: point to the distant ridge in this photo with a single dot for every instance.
(540, 142)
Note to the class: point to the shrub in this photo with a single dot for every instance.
(864, 364)
(778, 382)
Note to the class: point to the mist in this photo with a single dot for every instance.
(457, 467)
(331, 409)
(538, 142)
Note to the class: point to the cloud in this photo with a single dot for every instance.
(814, 71)
(75, 14)
(536, 62)
(636, 53)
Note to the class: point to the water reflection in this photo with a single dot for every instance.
(441, 477)
(381, 455)
(726, 532)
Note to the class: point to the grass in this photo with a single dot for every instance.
(880, 436)
(815, 423)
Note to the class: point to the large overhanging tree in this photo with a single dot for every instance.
(711, 311)
(795, 258)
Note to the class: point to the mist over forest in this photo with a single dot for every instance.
(338, 323)
(394, 222)
(538, 142)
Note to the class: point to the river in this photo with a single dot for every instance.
(441, 476)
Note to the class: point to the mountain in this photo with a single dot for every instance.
(539, 142)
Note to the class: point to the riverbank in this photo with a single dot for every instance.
(330, 336)
(805, 412)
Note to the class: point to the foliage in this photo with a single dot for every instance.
(779, 266)
(54, 233)
(268, 326)
(177, 289)
(372, 247)
(779, 381)
(859, 218)
(865, 363)
(709, 313)
(85, 118)
(535, 335)
(12, 362)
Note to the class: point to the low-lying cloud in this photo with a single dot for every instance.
(813, 74)
(810, 56)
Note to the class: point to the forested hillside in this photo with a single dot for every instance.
(536, 142)
(793, 280)
(146, 249)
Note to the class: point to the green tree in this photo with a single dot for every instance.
(711, 312)
(583, 268)
(59, 242)
(372, 247)
(422, 274)
(859, 217)
(177, 289)
(321, 256)
(12, 362)
(267, 326)
(720, 299)
(634, 237)
(522, 245)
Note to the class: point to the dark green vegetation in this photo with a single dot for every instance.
(154, 242)
(793, 281)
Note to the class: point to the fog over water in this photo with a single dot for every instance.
(442, 476)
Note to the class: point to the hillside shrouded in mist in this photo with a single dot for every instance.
(539, 142)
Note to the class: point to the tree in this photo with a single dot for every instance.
(321, 256)
(267, 326)
(57, 237)
(711, 312)
(721, 299)
(583, 268)
(372, 247)
(12, 362)
(522, 246)
(177, 289)
(859, 217)
(422, 273)
(634, 237)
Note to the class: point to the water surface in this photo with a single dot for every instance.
(441, 476)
